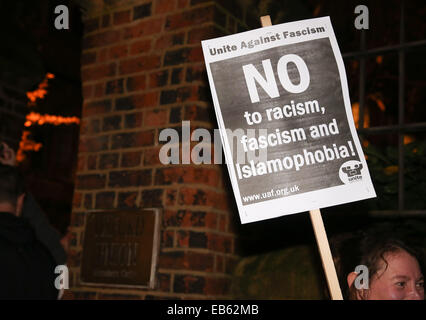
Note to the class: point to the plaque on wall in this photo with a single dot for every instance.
(121, 248)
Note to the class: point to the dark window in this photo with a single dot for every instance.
(388, 92)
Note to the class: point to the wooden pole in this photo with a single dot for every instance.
(326, 257)
(265, 21)
(320, 234)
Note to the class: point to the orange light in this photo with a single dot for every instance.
(381, 105)
(34, 118)
(378, 101)
(408, 139)
(26, 144)
(355, 113)
(41, 91)
(390, 170)
(39, 119)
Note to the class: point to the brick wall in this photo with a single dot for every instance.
(142, 71)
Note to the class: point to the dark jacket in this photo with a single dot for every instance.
(44, 232)
(27, 270)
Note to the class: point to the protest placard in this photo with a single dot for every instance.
(281, 100)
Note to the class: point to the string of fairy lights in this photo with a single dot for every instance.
(36, 119)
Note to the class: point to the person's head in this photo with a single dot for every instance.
(11, 190)
(394, 272)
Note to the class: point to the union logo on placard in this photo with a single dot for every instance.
(351, 171)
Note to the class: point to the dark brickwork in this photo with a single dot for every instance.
(143, 71)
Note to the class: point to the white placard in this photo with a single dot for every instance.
(281, 100)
